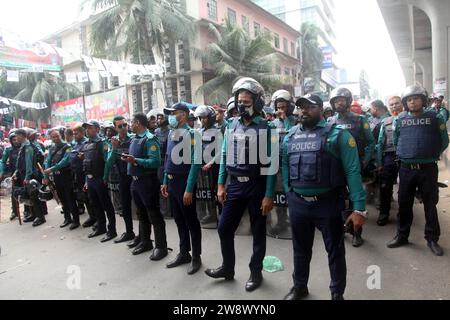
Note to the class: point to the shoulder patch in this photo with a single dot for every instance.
(153, 148)
(443, 127)
(105, 147)
(352, 142)
(366, 126)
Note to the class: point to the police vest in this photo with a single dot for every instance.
(388, 139)
(353, 123)
(138, 149)
(38, 154)
(173, 141)
(21, 162)
(11, 162)
(76, 164)
(419, 137)
(243, 143)
(57, 154)
(311, 165)
(124, 148)
(94, 163)
(162, 138)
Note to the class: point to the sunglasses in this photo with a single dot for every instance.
(121, 126)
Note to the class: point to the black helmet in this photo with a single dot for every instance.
(341, 93)
(206, 111)
(12, 134)
(33, 187)
(22, 196)
(252, 86)
(45, 194)
(415, 91)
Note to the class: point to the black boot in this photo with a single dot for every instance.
(195, 266)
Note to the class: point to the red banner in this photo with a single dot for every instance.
(67, 113)
(107, 105)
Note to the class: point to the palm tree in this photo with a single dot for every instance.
(42, 88)
(135, 29)
(312, 56)
(235, 54)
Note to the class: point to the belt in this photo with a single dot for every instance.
(418, 166)
(242, 179)
(173, 176)
(322, 196)
(90, 176)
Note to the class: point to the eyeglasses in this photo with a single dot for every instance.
(121, 126)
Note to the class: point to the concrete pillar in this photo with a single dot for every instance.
(440, 24)
(424, 59)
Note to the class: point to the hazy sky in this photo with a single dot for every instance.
(363, 40)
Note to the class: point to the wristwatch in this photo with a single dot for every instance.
(364, 214)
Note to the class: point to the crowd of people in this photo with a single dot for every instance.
(157, 165)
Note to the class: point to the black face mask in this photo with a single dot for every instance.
(246, 111)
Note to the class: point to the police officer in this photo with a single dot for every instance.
(285, 120)
(8, 166)
(121, 145)
(26, 171)
(221, 122)
(79, 176)
(211, 142)
(386, 160)
(420, 137)
(251, 186)
(57, 167)
(180, 180)
(327, 111)
(192, 119)
(95, 155)
(270, 113)
(319, 160)
(162, 133)
(144, 160)
(341, 101)
(68, 136)
(232, 110)
(439, 108)
(113, 170)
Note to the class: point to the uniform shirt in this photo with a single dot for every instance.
(342, 145)
(29, 154)
(196, 163)
(271, 180)
(368, 136)
(112, 156)
(4, 159)
(444, 140)
(380, 144)
(63, 163)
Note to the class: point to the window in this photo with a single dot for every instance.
(212, 9)
(285, 45)
(232, 16)
(245, 24)
(257, 28)
(277, 40)
(292, 49)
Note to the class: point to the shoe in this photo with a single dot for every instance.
(254, 282)
(74, 225)
(195, 266)
(134, 243)
(28, 219)
(89, 223)
(436, 248)
(208, 220)
(220, 273)
(159, 254)
(297, 294)
(125, 237)
(96, 233)
(383, 220)
(13, 216)
(66, 223)
(39, 221)
(357, 241)
(141, 248)
(182, 258)
(337, 297)
(109, 236)
(397, 242)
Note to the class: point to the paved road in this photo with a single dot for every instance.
(34, 264)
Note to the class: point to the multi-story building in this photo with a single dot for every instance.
(184, 73)
(319, 12)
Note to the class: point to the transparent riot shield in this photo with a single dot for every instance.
(206, 196)
(278, 222)
(113, 188)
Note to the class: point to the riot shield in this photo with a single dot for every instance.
(278, 222)
(206, 196)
